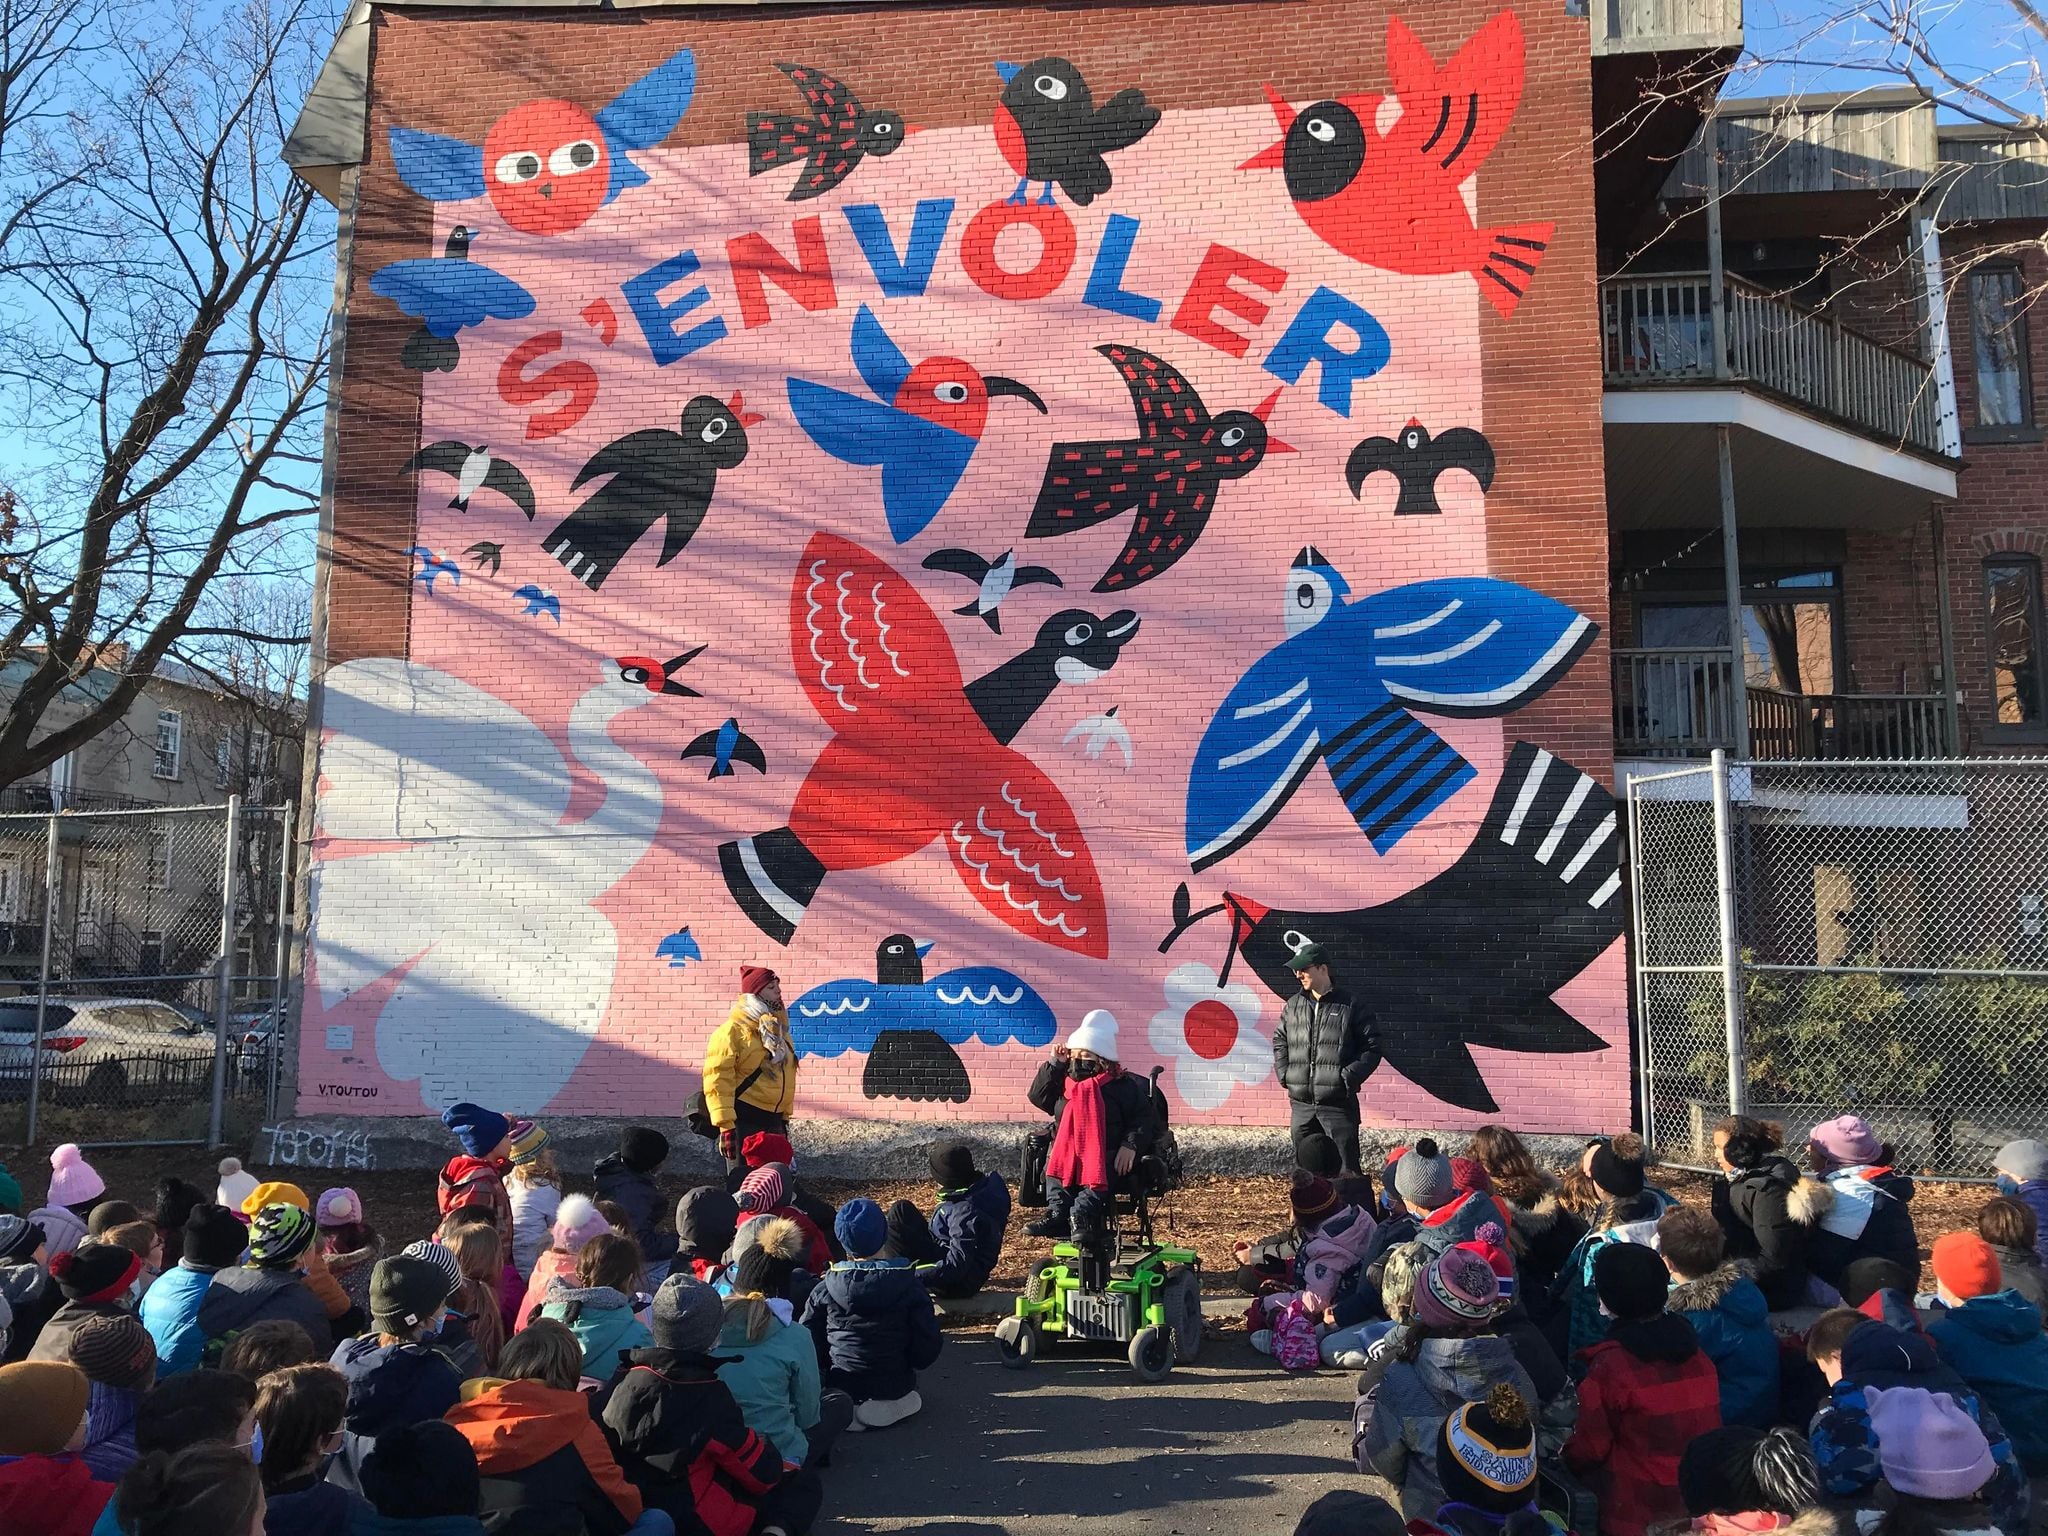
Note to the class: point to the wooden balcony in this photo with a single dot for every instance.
(1664, 26)
(1657, 331)
(1681, 703)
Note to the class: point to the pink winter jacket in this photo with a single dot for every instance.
(552, 1262)
(1333, 1251)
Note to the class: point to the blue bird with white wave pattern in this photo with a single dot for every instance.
(909, 1026)
(1341, 689)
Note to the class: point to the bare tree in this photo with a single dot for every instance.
(163, 298)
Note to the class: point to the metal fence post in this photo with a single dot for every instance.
(288, 827)
(1731, 938)
(230, 865)
(35, 1062)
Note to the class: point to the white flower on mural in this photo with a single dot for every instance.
(1210, 1033)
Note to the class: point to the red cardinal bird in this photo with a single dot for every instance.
(1391, 199)
(917, 755)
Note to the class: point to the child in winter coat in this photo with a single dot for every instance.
(1328, 1267)
(1739, 1481)
(2021, 1169)
(119, 1360)
(1649, 1389)
(707, 1218)
(1267, 1264)
(1869, 1217)
(394, 1379)
(75, 1188)
(771, 1366)
(1880, 1289)
(1576, 1321)
(626, 1177)
(541, 1457)
(1856, 1355)
(764, 1193)
(1993, 1337)
(1542, 1232)
(1445, 1215)
(576, 1223)
(44, 1486)
(301, 1410)
(534, 1186)
(313, 1270)
(2009, 1227)
(421, 1481)
(598, 1308)
(1103, 1125)
(30, 1295)
(958, 1248)
(873, 1322)
(1767, 1210)
(1487, 1460)
(348, 1245)
(1399, 1271)
(1727, 1313)
(681, 1436)
(476, 1176)
(1937, 1466)
(268, 1286)
(765, 1148)
(93, 1279)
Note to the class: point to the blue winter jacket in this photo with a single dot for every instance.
(2033, 1194)
(312, 1507)
(968, 1227)
(389, 1386)
(1996, 1344)
(874, 1326)
(1727, 1311)
(170, 1311)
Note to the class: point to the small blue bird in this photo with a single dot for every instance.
(1340, 688)
(678, 949)
(432, 566)
(922, 427)
(725, 746)
(540, 600)
(909, 1026)
(447, 294)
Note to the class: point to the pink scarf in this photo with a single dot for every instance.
(1080, 1152)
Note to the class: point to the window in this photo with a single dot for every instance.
(259, 749)
(170, 743)
(157, 872)
(1791, 630)
(2012, 629)
(224, 758)
(1998, 340)
(149, 953)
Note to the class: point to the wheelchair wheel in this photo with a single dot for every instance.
(1016, 1342)
(1038, 1283)
(1181, 1295)
(1152, 1354)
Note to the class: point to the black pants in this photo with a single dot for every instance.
(792, 1505)
(910, 1237)
(835, 1412)
(748, 1121)
(1339, 1122)
(1086, 1211)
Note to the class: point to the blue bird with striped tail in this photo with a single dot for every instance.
(1344, 687)
(909, 1025)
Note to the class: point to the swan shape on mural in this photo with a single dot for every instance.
(477, 906)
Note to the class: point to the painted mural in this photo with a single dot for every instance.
(1041, 502)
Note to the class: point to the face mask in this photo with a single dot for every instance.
(1081, 1070)
(2007, 1184)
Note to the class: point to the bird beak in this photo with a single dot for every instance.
(738, 406)
(924, 947)
(1120, 626)
(1413, 421)
(1273, 158)
(910, 128)
(1264, 411)
(1245, 916)
(996, 385)
(1007, 71)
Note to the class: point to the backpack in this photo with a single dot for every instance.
(1164, 1147)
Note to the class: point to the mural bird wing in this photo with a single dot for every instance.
(1468, 645)
(1453, 117)
(1021, 852)
(645, 113)
(882, 364)
(1166, 402)
(1259, 746)
(835, 126)
(450, 296)
(862, 640)
(438, 168)
(921, 461)
(842, 1016)
(989, 1004)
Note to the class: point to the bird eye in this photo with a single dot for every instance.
(571, 158)
(1322, 130)
(1412, 439)
(1232, 436)
(1295, 939)
(1080, 634)
(951, 393)
(715, 428)
(633, 674)
(1305, 594)
(883, 128)
(1050, 89)
(524, 165)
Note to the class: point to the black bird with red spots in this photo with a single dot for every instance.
(1168, 473)
(836, 137)
(1050, 130)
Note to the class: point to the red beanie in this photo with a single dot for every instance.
(754, 977)
(765, 1147)
(1964, 1263)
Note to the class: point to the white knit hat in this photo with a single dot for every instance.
(235, 1186)
(1096, 1034)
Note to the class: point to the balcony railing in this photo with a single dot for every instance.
(1658, 26)
(1659, 330)
(1681, 703)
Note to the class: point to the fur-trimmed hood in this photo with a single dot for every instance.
(1532, 1221)
(1808, 1201)
(1711, 1289)
(1808, 1522)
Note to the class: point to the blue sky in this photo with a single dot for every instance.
(1808, 46)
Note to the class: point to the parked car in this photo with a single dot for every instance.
(103, 1050)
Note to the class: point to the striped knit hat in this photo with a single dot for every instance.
(761, 1190)
(528, 1141)
(1459, 1290)
(279, 1236)
(1487, 1454)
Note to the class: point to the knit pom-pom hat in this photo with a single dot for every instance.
(576, 1222)
(73, 1181)
(235, 1186)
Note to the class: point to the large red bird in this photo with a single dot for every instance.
(1392, 199)
(918, 755)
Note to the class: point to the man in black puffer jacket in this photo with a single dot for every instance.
(1323, 1051)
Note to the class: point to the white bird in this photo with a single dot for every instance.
(995, 578)
(1102, 731)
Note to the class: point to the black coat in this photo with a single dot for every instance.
(555, 1496)
(1544, 1235)
(1126, 1105)
(635, 1193)
(1887, 1234)
(875, 1328)
(1768, 1214)
(1325, 1048)
(684, 1443)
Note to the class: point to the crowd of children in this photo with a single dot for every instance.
(265, 1360)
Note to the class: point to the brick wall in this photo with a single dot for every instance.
(534, 885)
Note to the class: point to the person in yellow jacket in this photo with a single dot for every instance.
(749, 1068)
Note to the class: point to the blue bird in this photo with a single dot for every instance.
(922, 426)
(540, 600)
(1340, 689)
(548, 165)
(432, 566)
(725, 746)
(447, 293)
(909, 1026)
(678, 949)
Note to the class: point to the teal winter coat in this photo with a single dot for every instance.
(1728, 1313)
(1995, 1344)
(1573, 1292)
(602, 1320)
(775, 1381)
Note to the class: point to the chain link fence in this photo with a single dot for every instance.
(142, 973)
(1815, 938)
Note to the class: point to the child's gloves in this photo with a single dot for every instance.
(729, 1144)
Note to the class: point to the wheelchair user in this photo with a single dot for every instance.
(1103, 1125)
